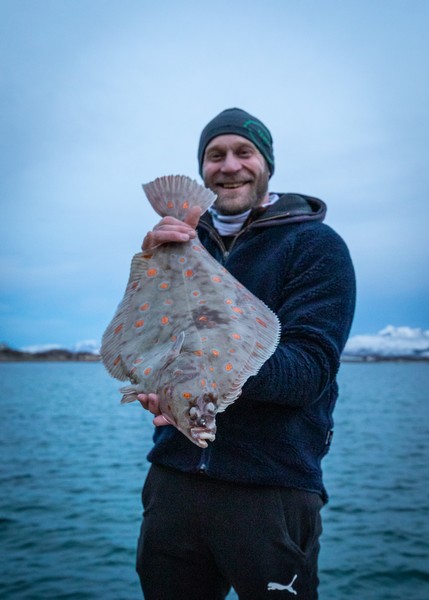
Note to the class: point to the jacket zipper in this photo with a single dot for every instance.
(217, 238)
(204, 459)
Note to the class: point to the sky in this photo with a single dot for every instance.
(99, 97)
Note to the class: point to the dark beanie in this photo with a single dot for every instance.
(238, 122)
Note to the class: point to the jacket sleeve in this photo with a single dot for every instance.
(316, 311)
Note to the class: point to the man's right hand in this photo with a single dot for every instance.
(170, 229)
(151, 403)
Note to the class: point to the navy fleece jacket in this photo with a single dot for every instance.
(279, 429)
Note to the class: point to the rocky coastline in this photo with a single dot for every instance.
(8, 354)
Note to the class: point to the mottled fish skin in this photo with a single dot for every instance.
(186, 329)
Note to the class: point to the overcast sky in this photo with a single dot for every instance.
(100, 96)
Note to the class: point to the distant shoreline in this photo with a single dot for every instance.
(56, 355)
(8, 355)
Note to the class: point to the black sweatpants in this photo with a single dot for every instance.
(200, 536)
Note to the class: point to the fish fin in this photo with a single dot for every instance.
(265, 341)
(129, 394)
(113, 338)
(174, 195)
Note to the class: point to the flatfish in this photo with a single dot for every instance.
(186, 329)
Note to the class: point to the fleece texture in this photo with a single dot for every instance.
(280, 428)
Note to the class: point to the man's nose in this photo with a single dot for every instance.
(231, 163)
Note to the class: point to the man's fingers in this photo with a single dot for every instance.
(150, 402)
(170, 230)
(160, 421)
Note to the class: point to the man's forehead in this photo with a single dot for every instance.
(229, 141)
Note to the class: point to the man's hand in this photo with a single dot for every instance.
(170, 229)
(151, 403)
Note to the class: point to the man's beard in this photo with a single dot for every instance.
(227, 204)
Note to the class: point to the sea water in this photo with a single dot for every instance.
(72, 464)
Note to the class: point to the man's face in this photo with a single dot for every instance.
(237, 172)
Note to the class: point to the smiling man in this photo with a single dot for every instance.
(245, 512)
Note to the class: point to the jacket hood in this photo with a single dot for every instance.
(289, 208)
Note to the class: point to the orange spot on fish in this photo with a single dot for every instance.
(170, 204)
(214, 385)
(164, 320)
(198, 352)
(216, 279)
(228, 367)
(144, 306)
(237, 310)
(187, 395)
(228, 301)
(151, 272)
(196, 248)
(147, 256)
(139, 323)
(260, 346)
(182, 259)
(117, 360)
(211, 369)
(189, 273)
(173, 338)
(134, 285)
(164, 285)
(195, 293)
(203, 382)
(138, 361)
(203, 318)
(215, 352)
(236, 336)
(119, 328)
(147, 371)
(261, 322)
(185, 204)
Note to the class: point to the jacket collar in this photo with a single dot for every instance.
(289, 208)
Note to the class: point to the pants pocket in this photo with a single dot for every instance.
(301, 520)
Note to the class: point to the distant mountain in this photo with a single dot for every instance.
(47, 353)
(88, 346)
(390, 343)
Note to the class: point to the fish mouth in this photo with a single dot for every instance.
(201, 436)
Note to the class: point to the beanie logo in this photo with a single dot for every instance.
(259, 133)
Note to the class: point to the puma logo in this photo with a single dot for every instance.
(279, 586)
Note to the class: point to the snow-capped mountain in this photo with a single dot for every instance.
(89, 346)
(390, 342)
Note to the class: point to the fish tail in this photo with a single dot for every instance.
(174, 195)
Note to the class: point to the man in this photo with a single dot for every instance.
(245, 512)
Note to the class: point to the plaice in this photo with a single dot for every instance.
(186, 329)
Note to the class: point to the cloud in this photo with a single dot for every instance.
(101, 100)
